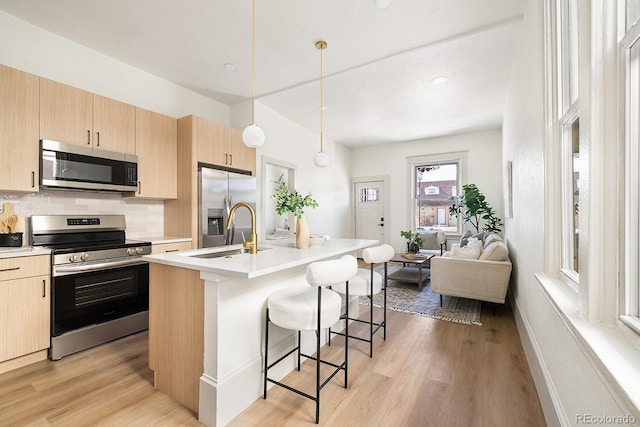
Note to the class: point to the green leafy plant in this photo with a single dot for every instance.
(475, 209)
(414, 240)
(289, 200)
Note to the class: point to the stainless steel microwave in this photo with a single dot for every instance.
(84, 168)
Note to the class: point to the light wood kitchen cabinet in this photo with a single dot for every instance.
(223, 146)
(19, 139)
(161, 248)
(75, 116)
(242, 157)
(24, 310)
(156, 148)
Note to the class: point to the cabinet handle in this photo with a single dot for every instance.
(44, 288)
(88, 137)
(230, 159)
(171, 250)
(33, 179)
(139, 187)
(10, 269)
(226, 159)
(98, 142)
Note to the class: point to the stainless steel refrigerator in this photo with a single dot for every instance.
(219, 190)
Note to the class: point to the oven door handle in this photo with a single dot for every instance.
(63, 270)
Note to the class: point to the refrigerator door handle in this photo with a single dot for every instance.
(229, 233)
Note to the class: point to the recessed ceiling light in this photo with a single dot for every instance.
(439, 80)
(230, 67)
(324, 107)
(382, 4)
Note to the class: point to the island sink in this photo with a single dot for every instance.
(225, 254)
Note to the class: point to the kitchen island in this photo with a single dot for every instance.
(206, 320)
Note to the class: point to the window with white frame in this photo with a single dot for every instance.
(435, 180)
(630, 52)
(568, 123)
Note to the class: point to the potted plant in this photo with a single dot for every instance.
(414, 241)
(474, 208)
(288, 200)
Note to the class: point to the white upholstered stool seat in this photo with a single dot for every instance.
(359, 284)
(296, 308)
(310, 308)
(368, 282)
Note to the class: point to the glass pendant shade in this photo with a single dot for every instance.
(253, 136)
(321, 159)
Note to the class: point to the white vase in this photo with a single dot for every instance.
(302, 232)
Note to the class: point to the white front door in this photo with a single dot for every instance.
(369, 210)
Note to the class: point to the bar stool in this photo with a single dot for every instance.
(368, 282)
(310, 308)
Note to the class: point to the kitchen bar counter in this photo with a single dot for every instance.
(206, 321)
(8, 252)
(272, 256)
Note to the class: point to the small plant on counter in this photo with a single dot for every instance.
(289, 200)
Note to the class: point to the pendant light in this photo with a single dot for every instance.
(321, 159)
(253, 135)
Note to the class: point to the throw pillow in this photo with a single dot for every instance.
(496, 251)
(470, 251)
(465, 238)
(429, 239)
(490, 238)
(480, 236)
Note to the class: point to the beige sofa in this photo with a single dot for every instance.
(484, 279)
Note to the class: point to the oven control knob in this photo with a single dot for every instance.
(131, 251)
(84, 257)
(139, 251)
(74, 258)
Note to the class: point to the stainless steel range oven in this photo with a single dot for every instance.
(99, 281)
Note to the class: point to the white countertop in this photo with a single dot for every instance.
(7, 252)
(158, 240)
(272, 256)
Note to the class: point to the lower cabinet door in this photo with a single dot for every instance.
(24, 316)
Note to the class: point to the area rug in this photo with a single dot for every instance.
(405, 297)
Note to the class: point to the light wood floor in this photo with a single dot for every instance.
(427, 373)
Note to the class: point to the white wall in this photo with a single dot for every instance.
(568, 383)
(293, 144)
(484, 159)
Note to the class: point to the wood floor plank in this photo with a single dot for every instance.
(427, 373)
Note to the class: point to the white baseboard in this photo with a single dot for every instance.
(549, 400)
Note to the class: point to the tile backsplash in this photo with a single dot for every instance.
(144, 217)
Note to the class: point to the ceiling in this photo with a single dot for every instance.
(378, 68)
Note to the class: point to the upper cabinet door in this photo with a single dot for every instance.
(223, 146)
(114, 125)
(66, 113)
(156, 147)
(18, 130)
(211, 142)
(241, 156)
(75, 116)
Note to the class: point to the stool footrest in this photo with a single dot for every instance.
(282, 358)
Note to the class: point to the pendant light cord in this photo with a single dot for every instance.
(321, 149)
(253, 62)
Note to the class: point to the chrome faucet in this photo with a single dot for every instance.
(253, 243)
